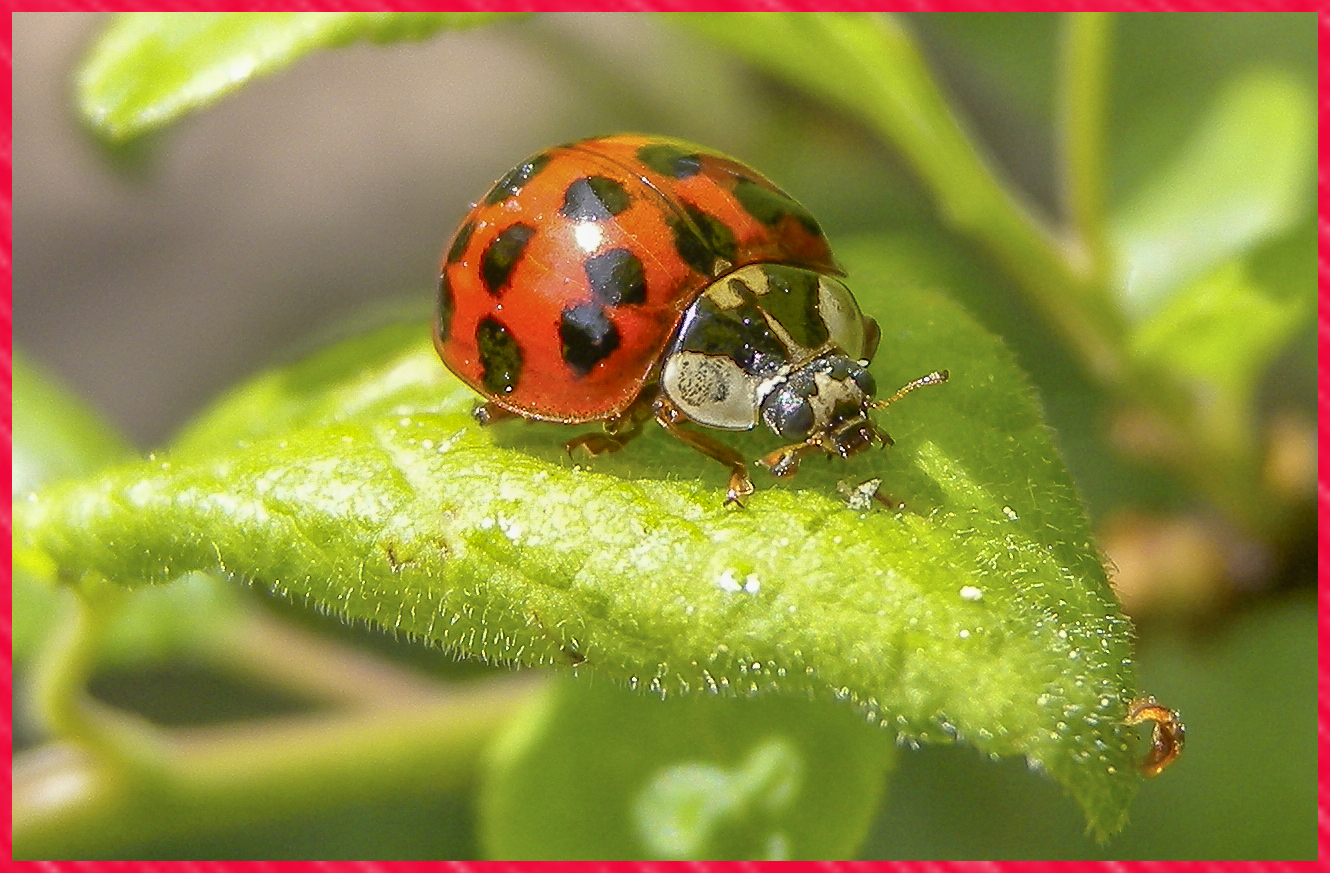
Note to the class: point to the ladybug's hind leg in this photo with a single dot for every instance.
(740, 485)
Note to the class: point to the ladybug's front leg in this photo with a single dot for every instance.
(784, 462)
(489, 413)
(740, 485)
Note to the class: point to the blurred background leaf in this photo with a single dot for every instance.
(1242, 178)
(150, 68)
(597, 773)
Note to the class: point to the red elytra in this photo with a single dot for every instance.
(564, 284)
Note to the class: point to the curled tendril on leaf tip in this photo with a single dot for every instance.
(1166, 741)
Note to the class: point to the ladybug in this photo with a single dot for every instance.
(628, 277)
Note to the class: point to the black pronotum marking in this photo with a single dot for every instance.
(741, 334)
(502, 255)
(516, 179)
(791, 298)
(594, 198)
(616, 277)
(443, 313)
(588, 335)
(460, 242)
(670, 160)
(701, 382)
(500, 356)
(769, 206)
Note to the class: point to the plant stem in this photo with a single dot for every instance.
(1086, 43)
(282, 655)
(118, 740)
(67, 804)
(915, 115)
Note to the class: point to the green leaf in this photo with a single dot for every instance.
(56, 434)
(150, 68)
(594, 772)
(980, 613)
(1244, 177)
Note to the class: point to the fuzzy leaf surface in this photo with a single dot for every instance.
(357, 482)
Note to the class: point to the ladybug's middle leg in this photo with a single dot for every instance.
(618, 431)
(740, 485)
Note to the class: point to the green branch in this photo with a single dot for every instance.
(1086, 44)
(871, 66)
(67, 803)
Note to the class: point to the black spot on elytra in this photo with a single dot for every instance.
(791, 299)
(670, 160)
(594, 198)
(703, 241)
(691, 247)
(500, 356)
(460, 242)
(443, 313)
(616, 277)
(769, 206)
(588, 335)
(502, 255)
(516, 179)
(718, 236)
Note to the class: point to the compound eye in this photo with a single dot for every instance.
(789, 415)
(865, 381)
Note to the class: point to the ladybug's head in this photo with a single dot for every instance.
(826, 403)
(827, 399)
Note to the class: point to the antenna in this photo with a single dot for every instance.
(933, 378)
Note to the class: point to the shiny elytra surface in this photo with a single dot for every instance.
(564, 284)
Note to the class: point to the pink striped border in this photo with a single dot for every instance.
(1323, 399)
